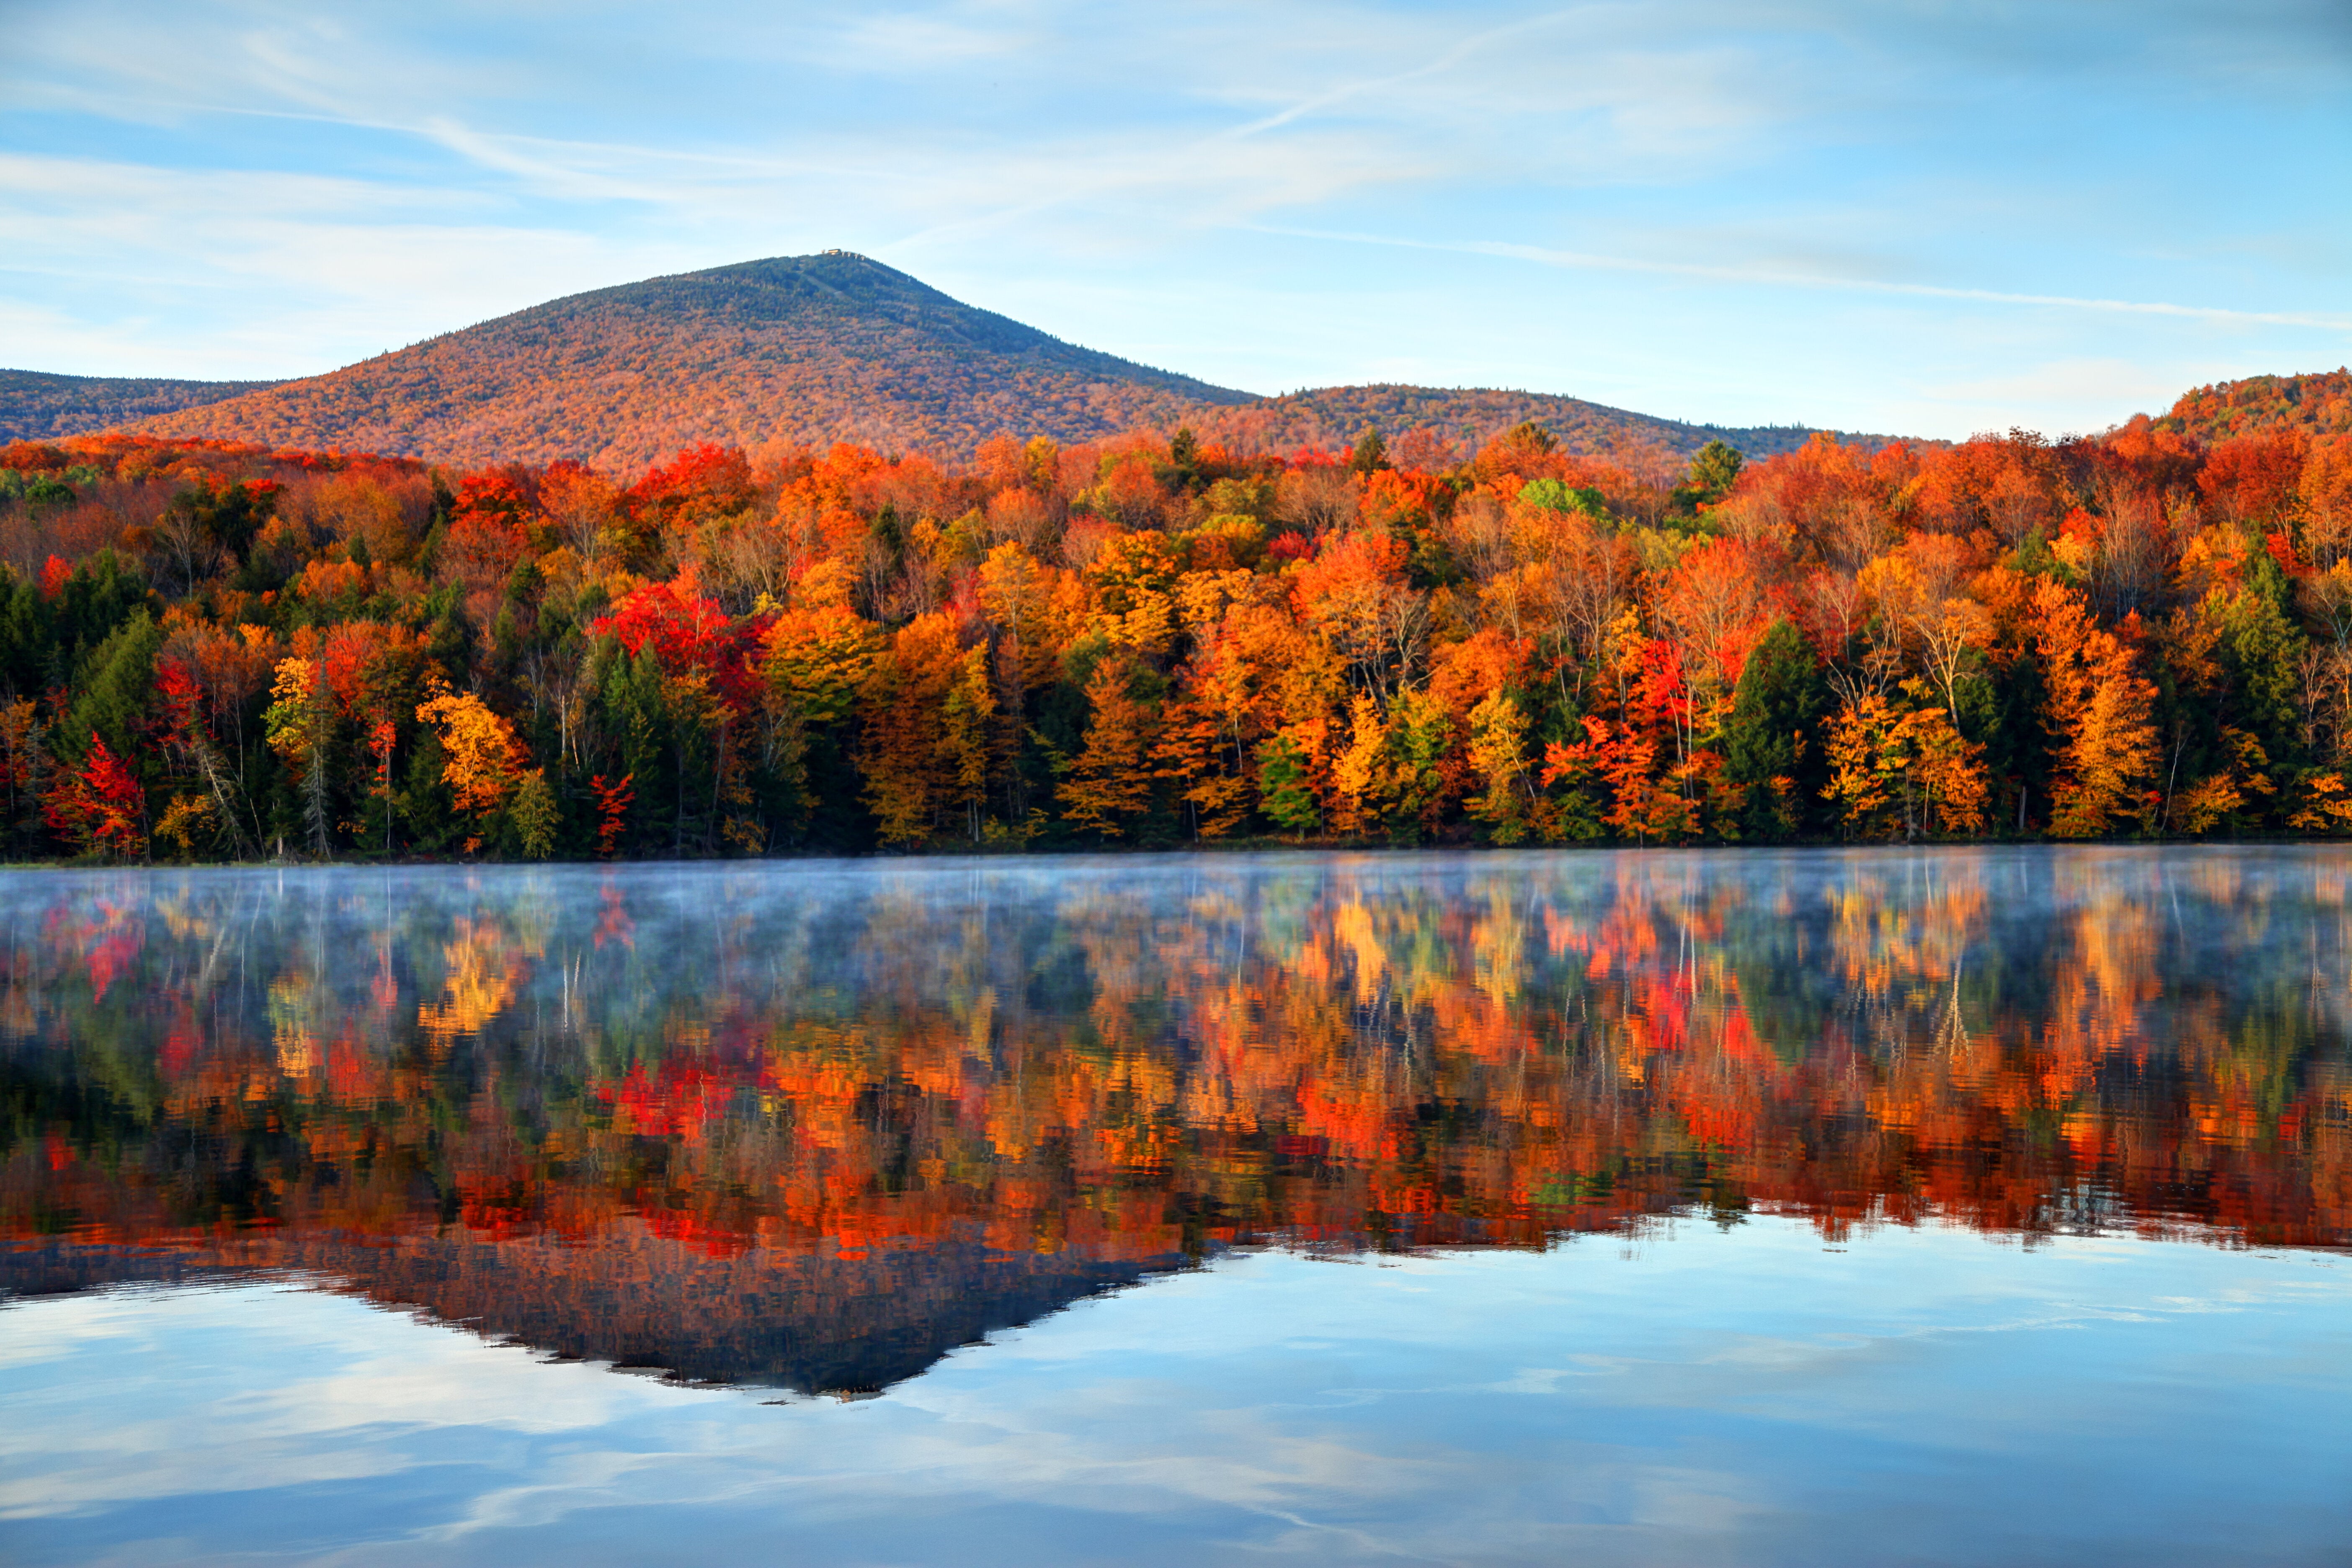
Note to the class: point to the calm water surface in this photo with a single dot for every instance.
(1948, 1207)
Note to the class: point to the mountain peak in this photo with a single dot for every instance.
(832, 346)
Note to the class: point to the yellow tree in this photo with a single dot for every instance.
(906, 750)
(819, 658)
(1922, 588)
(1109, 783)
(965, 722)
(1032, 612)
(1902, 774)
(1362, 784)
(484, 762)
(299, 726)
(2103, 742)
(1498, 755)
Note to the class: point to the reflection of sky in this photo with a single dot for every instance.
(1925, 218)
(1744, 1396)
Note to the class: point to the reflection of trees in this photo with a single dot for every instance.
(1137, 1061)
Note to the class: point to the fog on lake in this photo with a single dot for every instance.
(1632, 1207)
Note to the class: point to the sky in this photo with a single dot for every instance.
(1922, 217)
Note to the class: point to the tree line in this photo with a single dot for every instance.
(218, 651)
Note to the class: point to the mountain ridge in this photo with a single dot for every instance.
(46, 405)
(812, 348)
(2316, 403)
(834, 346)
(837, 346)
(1331, 416)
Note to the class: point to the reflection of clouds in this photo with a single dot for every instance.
(1418, 1403)
(272, 1387)
(1702, 1401)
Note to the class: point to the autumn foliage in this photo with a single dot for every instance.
(587, 1084)
(1152, 641)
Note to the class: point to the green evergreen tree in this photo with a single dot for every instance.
(2262, 649)
(27, 637)
(100, 594)
(535, 815)
(117, 694)
(426, 810)
(1283, 793)
(1714, 470)
(1774, 733)
(1184, 457)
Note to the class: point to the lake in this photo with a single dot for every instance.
(1951, 1206)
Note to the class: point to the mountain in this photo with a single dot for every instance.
(1332, 416)
(818, 1322)
(838, 347)
(2319, 404)
(806, 348)
(38, 406)
(825, 348)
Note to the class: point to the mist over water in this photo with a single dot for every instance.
(1967, 1205)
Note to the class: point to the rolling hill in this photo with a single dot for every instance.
(1331, 416)
(809, 348)
(840, 347)
(38, 406)
(823, 348)
(2319, 404)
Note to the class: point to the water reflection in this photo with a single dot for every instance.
(814, 1125)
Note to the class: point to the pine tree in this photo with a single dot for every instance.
(1772, 743)
(535, 813)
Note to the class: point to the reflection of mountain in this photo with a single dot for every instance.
(814, 1323)
(815, 1124)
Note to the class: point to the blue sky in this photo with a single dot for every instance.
(1887, 214)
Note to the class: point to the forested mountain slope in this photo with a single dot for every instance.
(810, 348)
(818, 349)
(35, 405)
(2319, 404)
(1467, 418)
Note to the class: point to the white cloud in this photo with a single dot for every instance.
(2118, 382)
(262, 187)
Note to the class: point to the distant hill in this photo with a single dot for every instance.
(35, 405)
(1332, 416)
(825, 348)
(2319, 404)
(808, 348)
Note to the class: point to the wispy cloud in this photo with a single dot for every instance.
(1291, 195)
(1777, 278)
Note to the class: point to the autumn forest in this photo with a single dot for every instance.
(210, 650)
